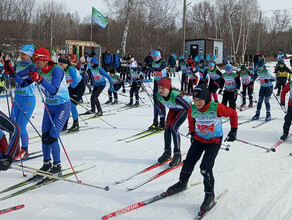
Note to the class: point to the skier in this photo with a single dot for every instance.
(159, 71)
(118, 83)
(76, 87)
(24, 99)
(215, 76)
(193, 80)
(266, 78)
(205, 126)
(136, 84)
(8, 151)
(288, 116)
(98, 76)
(281, 73)
(178, 108)
(231, 83)
(247, 80)
(201, 69)
(281, 56)
(51, 78)
(184, 79)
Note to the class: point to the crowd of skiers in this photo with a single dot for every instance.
(64, 81)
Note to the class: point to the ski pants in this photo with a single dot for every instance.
(249, 89)
(213, 87)
(50, 132)
(229, 96)
(265, 95)
(135, 89)
(281, 82)
(159, 108)
(27, 105)
(173, 122)
(116, 89)
(184, 79)
(195, 152)
(94, 97)
(76, 95)
(288, 119)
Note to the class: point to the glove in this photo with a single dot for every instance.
(111, 89)
(192, 137)
(35, 76)
(124, 90)
(267, 80)
(231, 135)
(282, 103)
(5, 163)
(220, 91)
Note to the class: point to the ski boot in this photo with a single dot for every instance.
(284, 136)
(176, 188)
(136, 104)
(56, 169)
(268, 116)
(75, 126)
(208, 202)
(115, 102)
(176, 159)
(256, 116)
(165, 156)
(161, 126)
(47, 165)
(109, 101)
(242, 105)
(88, 112)
(99, 113)
(130, 103)
(250, 103)
(153, 127)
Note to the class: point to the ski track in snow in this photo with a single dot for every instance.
(259, 183)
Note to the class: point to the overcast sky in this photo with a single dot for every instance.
(83, 7)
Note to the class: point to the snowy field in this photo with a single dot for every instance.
(258, 183)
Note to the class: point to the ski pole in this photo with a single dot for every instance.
(239, 93)
(106, 188)
(72, 100)
(256, 145)
(47, 109)
(97, 116)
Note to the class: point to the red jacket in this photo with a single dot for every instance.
(283, 93)
(222, 110)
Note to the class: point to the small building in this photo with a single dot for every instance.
(72, 46)
(204, 47)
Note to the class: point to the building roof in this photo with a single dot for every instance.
(213, 39)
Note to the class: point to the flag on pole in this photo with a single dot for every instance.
(98, 18)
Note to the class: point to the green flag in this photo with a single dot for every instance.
(98, 18)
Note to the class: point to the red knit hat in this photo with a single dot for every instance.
(165, 82)
(41, 54)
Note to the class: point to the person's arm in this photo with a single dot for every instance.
(237, 80)
(57, 77)
(284, 91)
(191, 121)
(73, 74)
(228, 112)
(102, 72)
(182, 102)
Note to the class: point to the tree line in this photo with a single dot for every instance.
(139, 26)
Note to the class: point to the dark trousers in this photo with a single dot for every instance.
(265, 95)
(123, 73)
(116, 88)
(229, 97)
(281, 82)
(173, 122)
(94, 97)
(77, 92)
(183, 82)
(191, 84)
(196, 150)
(249, 89)
(107, 67)
(288, 119)
(159, 109)
(135, 89)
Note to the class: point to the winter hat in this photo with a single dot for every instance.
(243, 67)
(73, 58)
(41, 54)
(27, 49)
(82, 59)
(282, 62)
(156, 55)
(112, 71)
(202, 92)
(202, 61)
(211, 64)
(228, 67)
(94, 60)
(165, 82)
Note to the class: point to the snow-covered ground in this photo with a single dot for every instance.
(258, 183)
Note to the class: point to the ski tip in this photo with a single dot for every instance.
(106, 188)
